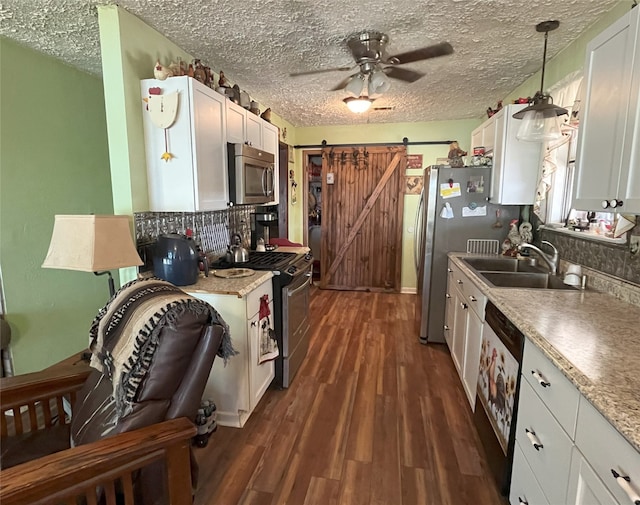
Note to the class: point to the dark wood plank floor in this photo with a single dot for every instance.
(372, 417)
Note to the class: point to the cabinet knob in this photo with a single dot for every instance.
(473, 298)
(449, 270)
(538, 376)
(605, 204)
(535, 442)
(463, 306)
(615, 203)
(459, 281)
(254, 323)
(522, 501)
(446, 328)
(624, 481)
(447, 296)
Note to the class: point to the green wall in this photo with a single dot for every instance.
(54, 160)
(391, 132)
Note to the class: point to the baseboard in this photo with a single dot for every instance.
(408, 291)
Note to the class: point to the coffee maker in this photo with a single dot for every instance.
(264, 225)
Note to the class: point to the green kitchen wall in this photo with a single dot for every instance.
(54, 160)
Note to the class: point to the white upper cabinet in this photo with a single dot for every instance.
(516, 164)
(236, 121)
(608, 157)
(253, 130)
(195, 178)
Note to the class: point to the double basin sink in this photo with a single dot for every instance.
(502, 272)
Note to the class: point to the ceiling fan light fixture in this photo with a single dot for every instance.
(378, 83)
(540, 120)
(355, 85)
(358, 105)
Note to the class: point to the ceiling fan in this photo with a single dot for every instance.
(368, 50)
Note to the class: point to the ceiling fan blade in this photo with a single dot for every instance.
(424, 53)
(322, 71)
(403, 74)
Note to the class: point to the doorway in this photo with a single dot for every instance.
(355, 202)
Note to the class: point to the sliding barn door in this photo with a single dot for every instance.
(362, 218)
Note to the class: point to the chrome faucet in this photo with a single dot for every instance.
(550, 259)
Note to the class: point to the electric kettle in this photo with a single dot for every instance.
(176, 259)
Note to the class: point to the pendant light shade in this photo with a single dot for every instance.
(355, 85)
(540, 120)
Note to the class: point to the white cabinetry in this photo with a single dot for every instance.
(564, 447)
(237, 388)
(608, 153)
(463, 330)
(195, 179)
(245, 127)
(516, 164)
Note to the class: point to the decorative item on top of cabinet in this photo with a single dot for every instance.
(162, 111)
(608, 152)
(196, 179)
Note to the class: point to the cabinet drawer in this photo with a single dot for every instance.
(253, 298)
(605, 449)
(559, 395)
(550, 463)
(524, 486)
(472, 295)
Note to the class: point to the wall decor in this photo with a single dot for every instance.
(413, 184)
(414, 160)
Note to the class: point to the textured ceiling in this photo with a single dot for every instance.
(258, 43)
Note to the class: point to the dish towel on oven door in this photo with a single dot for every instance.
(266, 334)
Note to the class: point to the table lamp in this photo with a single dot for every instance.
(92, 243)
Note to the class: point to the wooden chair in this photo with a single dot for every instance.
(66, 440)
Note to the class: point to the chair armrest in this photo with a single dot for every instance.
(80, 469)
(20, 389)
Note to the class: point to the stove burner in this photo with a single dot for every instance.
(269, 260)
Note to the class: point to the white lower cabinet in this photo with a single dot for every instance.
(525, 489)
(463, 328)
(585, 488)
(565, 446)
(237, 387)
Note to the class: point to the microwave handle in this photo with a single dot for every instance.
(270, 181)
(264, 182)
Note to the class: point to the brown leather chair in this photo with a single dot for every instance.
(154, 347)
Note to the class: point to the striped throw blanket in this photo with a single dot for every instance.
(125, 333)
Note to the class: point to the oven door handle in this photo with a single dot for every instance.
(302, 286)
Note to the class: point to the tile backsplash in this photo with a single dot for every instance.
(612, 259)
(212, 230)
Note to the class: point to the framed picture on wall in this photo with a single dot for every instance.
(413, 184)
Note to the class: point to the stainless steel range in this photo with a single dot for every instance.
(291, 306)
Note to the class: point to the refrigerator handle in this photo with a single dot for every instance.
(417, 230)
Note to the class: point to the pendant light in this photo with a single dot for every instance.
(540, 120)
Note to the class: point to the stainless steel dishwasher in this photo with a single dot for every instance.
(497, 392)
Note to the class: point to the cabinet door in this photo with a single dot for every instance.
(460, 308)
(489, 134)
(449, 317)
(235, 123)
(607, 85)
(473, 342)
(211, 180)
(170, 183)
(260, 374)
(584, 486)
(253, 133)
(477, 139)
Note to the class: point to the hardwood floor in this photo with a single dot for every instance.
(372, 417)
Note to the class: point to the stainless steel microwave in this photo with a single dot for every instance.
(251, 174)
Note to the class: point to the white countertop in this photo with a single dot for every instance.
(239, 286)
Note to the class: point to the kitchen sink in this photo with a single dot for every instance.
(538, 280)
(503, 265)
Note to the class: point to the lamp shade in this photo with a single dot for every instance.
(378, 83)
(355, 85)
(91, 243)
(358, 105)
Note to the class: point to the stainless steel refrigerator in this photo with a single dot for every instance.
(466, 191)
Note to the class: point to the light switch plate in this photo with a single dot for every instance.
(330, 178)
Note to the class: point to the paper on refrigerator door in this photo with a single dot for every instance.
(478, 211)
(447, 211)
(450, 190)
